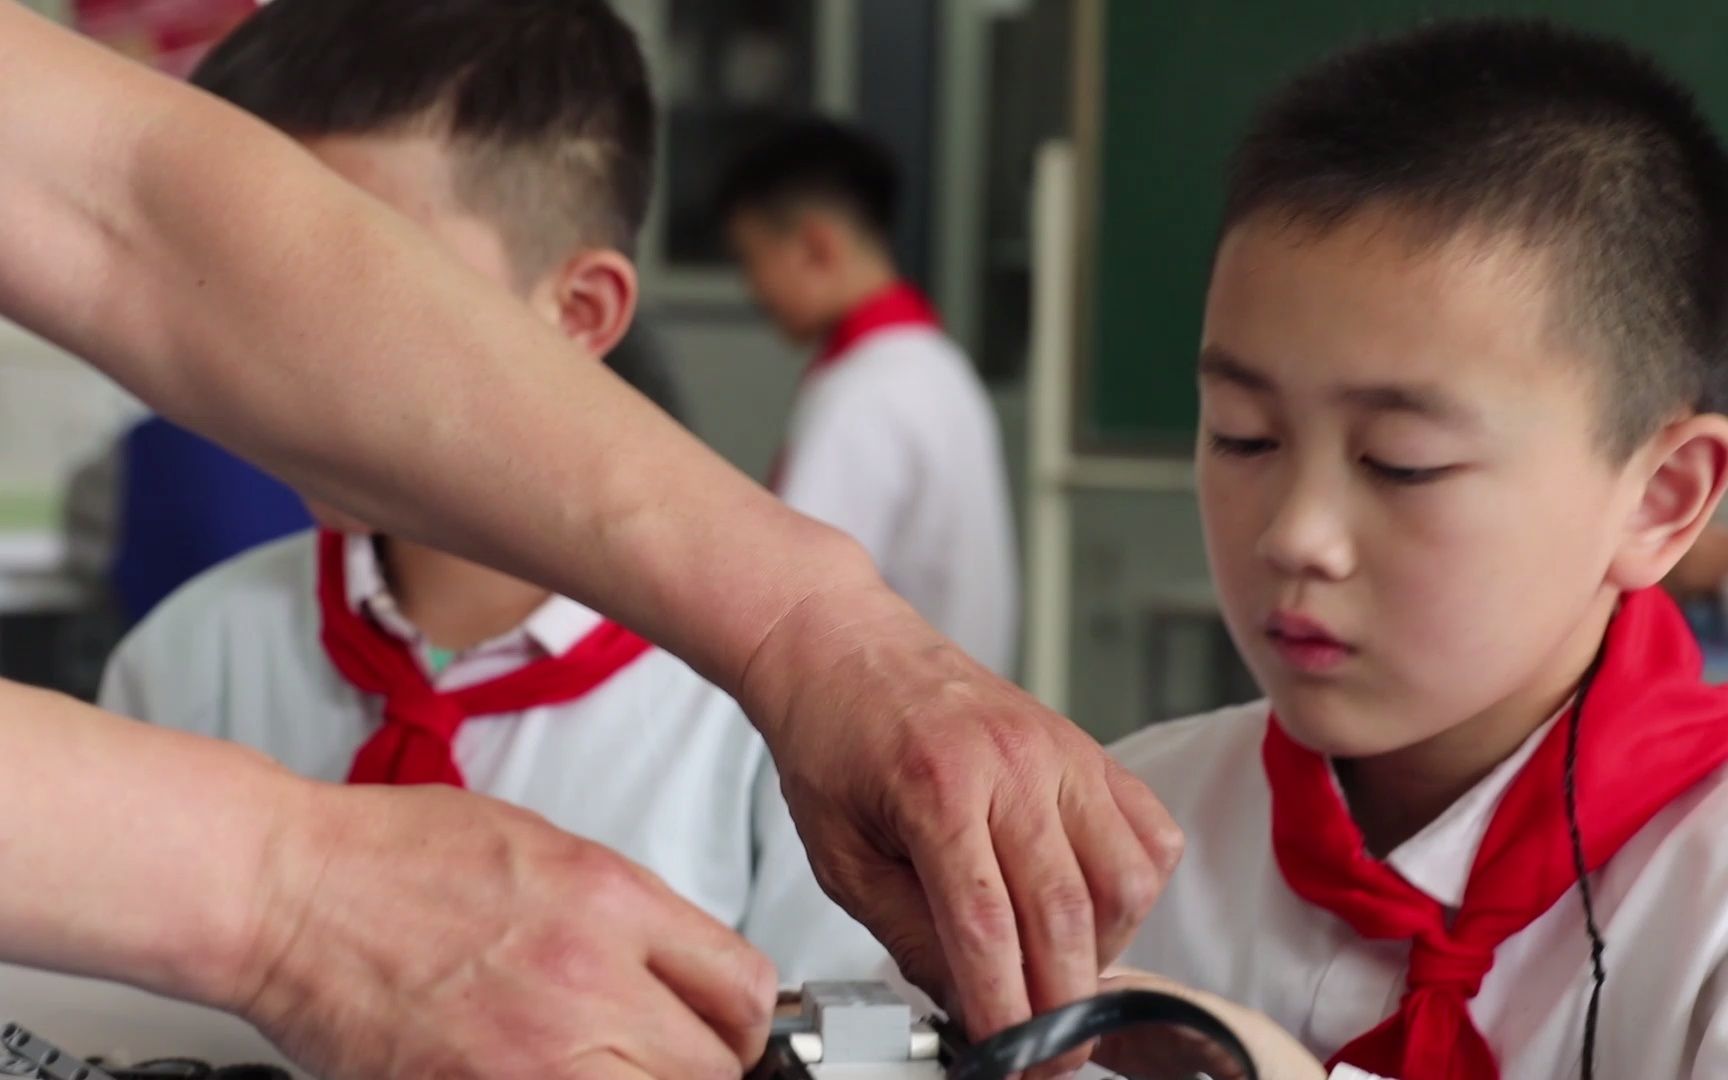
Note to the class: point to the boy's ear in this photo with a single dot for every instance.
(1686, 478)
(590, 297)
(824, 239)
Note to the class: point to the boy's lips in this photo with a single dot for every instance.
(1305, 644)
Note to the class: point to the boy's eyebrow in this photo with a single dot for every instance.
(1220, 363)
(1427, 402)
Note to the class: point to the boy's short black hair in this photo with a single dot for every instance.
(546, 103)
(816, 161)
(1577, 145)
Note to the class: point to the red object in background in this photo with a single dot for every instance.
(170, 35)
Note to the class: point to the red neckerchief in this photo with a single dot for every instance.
(1649, 731)
(897, 306)
(414, 744)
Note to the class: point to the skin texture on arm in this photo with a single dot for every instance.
(92, 778)
(216, 270)
(211, 266)
(202, 870)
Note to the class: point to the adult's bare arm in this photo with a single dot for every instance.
(372, 932)
(217, 271)
(213, 267)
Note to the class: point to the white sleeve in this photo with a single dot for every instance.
(789, 917)
(1351, 1072)
(164, 673)
(126, 680)
(849, 466)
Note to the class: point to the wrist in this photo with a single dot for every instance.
(254, 929)
(825, 649)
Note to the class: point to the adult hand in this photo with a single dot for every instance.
(993, 847)
(1155, 1051)
(425, 932)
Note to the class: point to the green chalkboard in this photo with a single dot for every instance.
(1179, 83)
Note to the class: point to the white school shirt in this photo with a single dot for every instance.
(895, 443)
(1228, 923)
(655, 763)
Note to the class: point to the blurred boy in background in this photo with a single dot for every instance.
(892, 438)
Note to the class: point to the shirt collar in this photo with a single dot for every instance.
(1438, 859)
(555, 626)
(900, 304)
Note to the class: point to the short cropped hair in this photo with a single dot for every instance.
(545, 104)
(816, 162)
(1576, 145)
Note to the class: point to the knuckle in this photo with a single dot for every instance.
(1134, 890)
(933, 771)
(984, 921)
(1021, 753)
(941, 797)
(577, 967)
(1168, 844)
(612, 887)
(1121, 906)
(845, 879)
(919, 960)
(1064, 911)
(1016, 743)
(758, 986)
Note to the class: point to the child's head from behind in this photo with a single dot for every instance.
(1466, 326)
(809, 212)
(518, 133)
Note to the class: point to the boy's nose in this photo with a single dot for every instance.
(1307, 536)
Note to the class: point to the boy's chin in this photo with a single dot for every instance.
(1335, 729)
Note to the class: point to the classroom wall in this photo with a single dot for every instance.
(1129, 547)
(55, 412)
(736, 377)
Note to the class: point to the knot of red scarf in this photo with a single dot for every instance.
(1443, 963)
(1648, 731)
(414, 744)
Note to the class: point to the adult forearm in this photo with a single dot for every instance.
(231, 282)
(135, 853)
(220, 273)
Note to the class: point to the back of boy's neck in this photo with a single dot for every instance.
(455, 603)
(869, 279)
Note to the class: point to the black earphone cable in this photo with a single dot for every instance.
(1598, 970)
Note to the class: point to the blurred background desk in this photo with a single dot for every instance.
(98, 1019)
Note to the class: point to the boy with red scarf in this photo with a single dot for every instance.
(892, 437)
(520, 137)
(1462, 361)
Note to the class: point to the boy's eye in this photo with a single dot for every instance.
(1397, 474)
(1229, 446)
